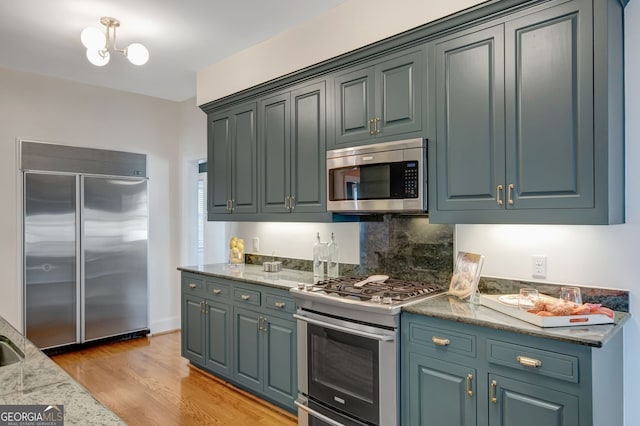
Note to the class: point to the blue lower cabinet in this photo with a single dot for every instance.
(455, 374)
(524, 404)
(243, 333)
(247, 348)
(218, 331)
(440, 393)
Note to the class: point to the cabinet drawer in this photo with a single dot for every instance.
(216, 290)
(244, 295)
(279, 303)
(536, 361)
(443, 340)
(192, 285)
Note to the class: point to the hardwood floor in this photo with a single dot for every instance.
(145, 381)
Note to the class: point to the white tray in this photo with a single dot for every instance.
(491, 301)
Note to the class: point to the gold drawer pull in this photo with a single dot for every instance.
(440, 341)
(245, 297)
(529, 362)
(509, 192)
(280, 305)
(492, 392)
(217, 291)
(469, 384)
(192, 285)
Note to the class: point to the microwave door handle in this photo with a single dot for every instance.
(314, 413)
(345, 329)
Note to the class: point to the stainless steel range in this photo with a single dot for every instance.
(348, 349)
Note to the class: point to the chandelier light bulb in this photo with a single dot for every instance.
(98, 59)
(137, 54)
(92, 38)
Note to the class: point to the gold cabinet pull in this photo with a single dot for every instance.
(280, 305)
(470, 384)
(509, 194)
(286, 203)
(440, 341)
(202, 307)
(232, 203)
(245, 297)
(205, 307)
(529, 362)
(377, 127)
(499, 189)
(371, 130)
(492, 392)
(217, 291)
(192, 285)
(292, 206)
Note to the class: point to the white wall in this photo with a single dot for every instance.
(295, 240)
(53, 110)
(349, 26)
(589, 255)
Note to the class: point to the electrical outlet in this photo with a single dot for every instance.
(539, 266)
(255, 244)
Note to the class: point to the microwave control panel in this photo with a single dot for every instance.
(411, 184)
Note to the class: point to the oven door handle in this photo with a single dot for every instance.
(347, 330)
(314, 413)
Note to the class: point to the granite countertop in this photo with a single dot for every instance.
(452, 309)
(38, 380)
(285, 279)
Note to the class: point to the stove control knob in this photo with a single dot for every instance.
(387, 300)
(376, 299)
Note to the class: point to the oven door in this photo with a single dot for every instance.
(346, 362)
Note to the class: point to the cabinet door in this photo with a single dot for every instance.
(193, 332)
(218, 337)
(219, 163)
(354, 105)
(398, 95)
(549, 92)
(470, 150)
(525, 404)
(247, 348)
(437, 393)
(280, 381)
(276, 153)
(244, 164)
(308, 149)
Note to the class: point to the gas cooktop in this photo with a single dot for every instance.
(390, 291)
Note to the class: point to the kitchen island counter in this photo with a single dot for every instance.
(253, 274)
(37, 380)
(452, 309)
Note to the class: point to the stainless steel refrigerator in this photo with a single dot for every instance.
(85, 244)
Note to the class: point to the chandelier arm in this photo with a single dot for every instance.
(123, 51)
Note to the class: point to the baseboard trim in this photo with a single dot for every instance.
(165, 324)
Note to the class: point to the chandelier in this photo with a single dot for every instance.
(99, 44)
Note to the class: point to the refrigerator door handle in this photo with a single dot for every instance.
(79, 269)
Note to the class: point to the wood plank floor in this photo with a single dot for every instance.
(145, 381)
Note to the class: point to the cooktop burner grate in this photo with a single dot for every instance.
(392, 290)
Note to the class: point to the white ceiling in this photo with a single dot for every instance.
(183, 36)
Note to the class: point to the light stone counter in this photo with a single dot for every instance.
(450, 308)
(285, 279)
(38, 380)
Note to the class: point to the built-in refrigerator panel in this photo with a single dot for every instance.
(114, 256)
(85, 226)
(50, 262)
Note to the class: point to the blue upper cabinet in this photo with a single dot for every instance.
(232, 159)
(516, 122)
(379, 100)
(292, 154)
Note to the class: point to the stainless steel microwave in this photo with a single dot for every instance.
(378, 178)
